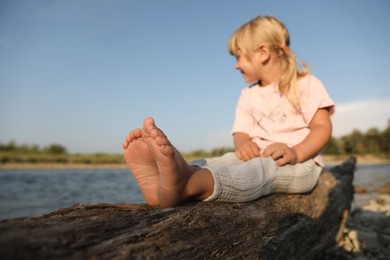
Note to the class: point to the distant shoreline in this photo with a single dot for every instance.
(361, 159)
(330, 160)
(59, 166)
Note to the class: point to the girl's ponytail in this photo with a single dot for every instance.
(290, 75)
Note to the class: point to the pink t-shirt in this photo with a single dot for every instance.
(268, 117)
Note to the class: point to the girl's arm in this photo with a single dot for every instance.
(245, 148)
(320, 133)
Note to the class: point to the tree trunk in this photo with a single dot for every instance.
(279, 226)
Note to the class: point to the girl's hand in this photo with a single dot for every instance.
(248, 151)
(281, 153)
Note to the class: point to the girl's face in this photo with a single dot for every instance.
(248, 66)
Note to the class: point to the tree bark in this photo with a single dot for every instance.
(279, 226)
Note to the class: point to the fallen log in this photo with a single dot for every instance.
(279, 226)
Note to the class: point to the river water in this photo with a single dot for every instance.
(28, 193)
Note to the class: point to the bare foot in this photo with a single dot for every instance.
(163, 175)
(142, 165)
(174, 172)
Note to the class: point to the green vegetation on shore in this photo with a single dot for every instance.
(373, 142)
(12, 153)
(52, 154)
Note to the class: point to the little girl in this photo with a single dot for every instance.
(282, 122)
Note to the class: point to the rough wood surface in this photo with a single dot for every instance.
(279, 226)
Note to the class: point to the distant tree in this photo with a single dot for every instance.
(356, 141)
(348, 149)
(24, 148)
(332, 147)
(221, 151)
(199, 153)
(372, 141)
(385, 139)
(35, 148)
(10, 147)
(55, 149)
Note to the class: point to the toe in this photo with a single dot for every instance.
(135, 134)
(148, 123)
(125, 144)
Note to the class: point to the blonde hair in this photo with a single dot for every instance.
(267, 30)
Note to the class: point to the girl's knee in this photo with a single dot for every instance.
(298, 178)
(309, 180)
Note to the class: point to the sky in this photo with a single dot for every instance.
(83, 73)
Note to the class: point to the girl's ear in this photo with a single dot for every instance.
(264, 52)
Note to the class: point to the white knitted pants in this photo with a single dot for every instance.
(238, 181)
